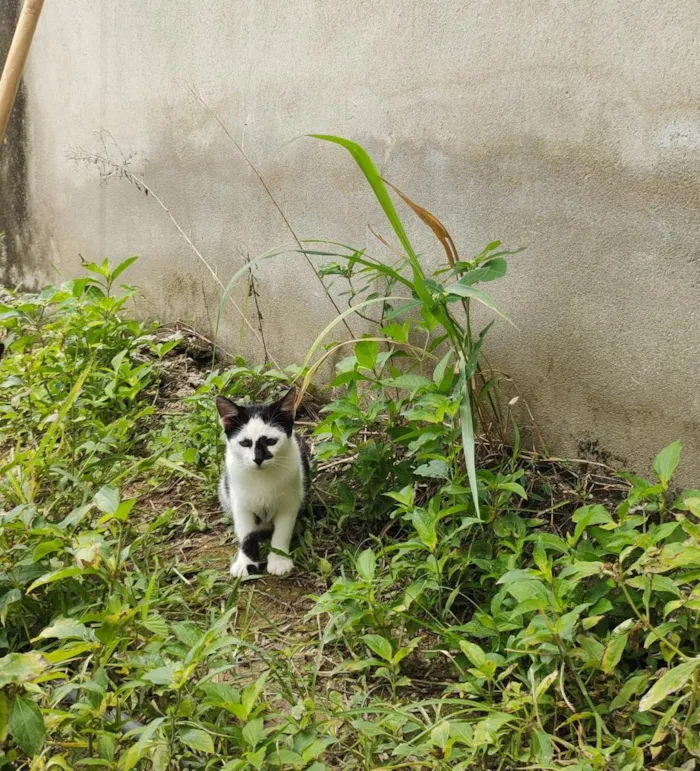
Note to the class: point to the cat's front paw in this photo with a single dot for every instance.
(239, 567)
(278, 565)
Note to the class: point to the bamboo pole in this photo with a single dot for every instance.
(16, 58)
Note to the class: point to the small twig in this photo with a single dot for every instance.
(216, 117)
(252, 290)
(337, 462)
(124, 171)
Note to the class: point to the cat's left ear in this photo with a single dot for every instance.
(229, 413)
(287, 405)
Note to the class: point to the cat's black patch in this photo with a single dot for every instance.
(250, 545)
(261, 452)
(306, 464)
(279, 414)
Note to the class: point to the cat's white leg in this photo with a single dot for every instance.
(244, 523)
(281, 541)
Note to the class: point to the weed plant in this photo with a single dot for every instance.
(459, 620)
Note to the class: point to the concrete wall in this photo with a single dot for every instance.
(571, 128)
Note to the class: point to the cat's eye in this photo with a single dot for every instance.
(271, 441)
(245, 443)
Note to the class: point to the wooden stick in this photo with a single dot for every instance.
(16, 58)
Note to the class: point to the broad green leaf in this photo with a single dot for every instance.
(157, 624)
(10, 598)
(352, 665)
(315, 749)
(441, 368)
(254, 732)
(669, 683)
(693, 505)
(425, 527)
(46, 547)
(219, 694)
(107, 499)
(398, 332)
(66, 653)
(587, 516)
(27, 725)
(512, 487)
(490, 271)
(473, 652)
(529, 590)
(366, 352)
(440, 735)
(165, 675)
(683, 502)
(613, 652)
(379, 645)
(434, 469)
(542, 748)
(18, 668)
(580, 570)
(283, 757)
(666, 462)
(197, 739)
(545, 684)
(55, 575)
(187, 633)
(75, 517)
(251, 694)
(412, 383)
(366, 565)
(516, 576)
(631, 687)
(67, 629)
(471, 292)
(123, 265)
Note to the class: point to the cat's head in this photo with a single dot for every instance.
(256, 433)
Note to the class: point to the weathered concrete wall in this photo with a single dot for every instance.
(569, 128)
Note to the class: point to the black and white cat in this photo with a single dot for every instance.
(265, 481)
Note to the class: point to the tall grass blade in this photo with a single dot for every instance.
(363, 160)
(468, 439)
(337, 320)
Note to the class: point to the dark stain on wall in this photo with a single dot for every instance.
(14, 219)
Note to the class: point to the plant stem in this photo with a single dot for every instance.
(648, 625)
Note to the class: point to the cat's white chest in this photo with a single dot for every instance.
(262, 496)
(265, 493)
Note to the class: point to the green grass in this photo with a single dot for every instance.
(438, 637)
(445, 613)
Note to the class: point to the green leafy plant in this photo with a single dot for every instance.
(510, 615)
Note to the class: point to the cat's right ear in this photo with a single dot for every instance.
(229, 413)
